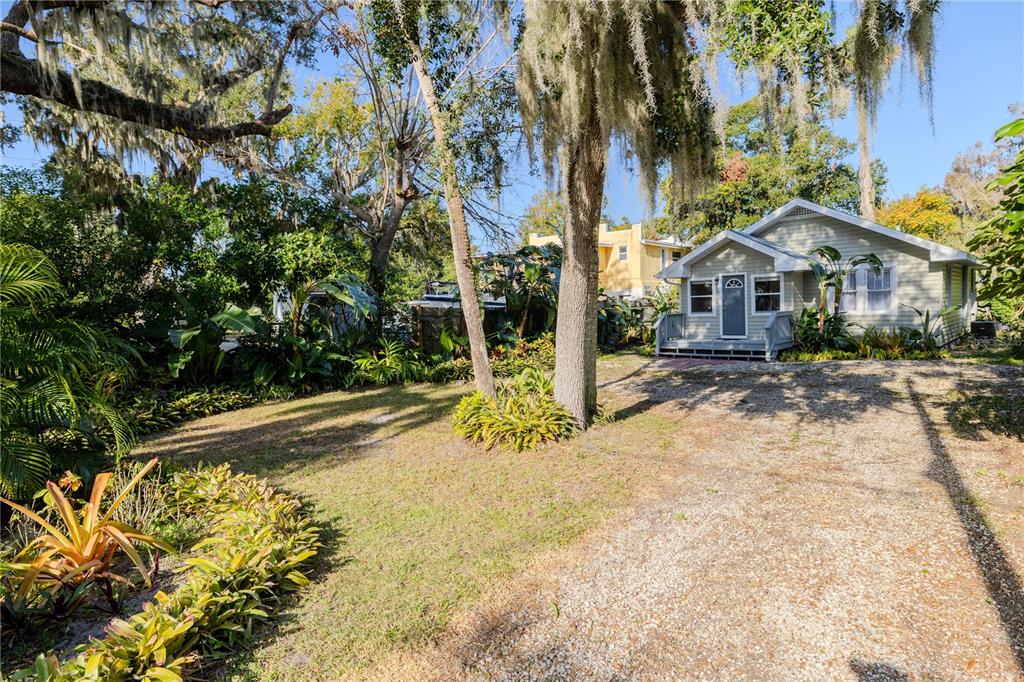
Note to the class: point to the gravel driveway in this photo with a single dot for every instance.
(828, 521)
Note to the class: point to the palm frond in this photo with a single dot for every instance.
(26, 275)
(24, 465)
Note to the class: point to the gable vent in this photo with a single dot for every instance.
(799, 211)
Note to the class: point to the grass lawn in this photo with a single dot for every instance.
(418, 523)
(999, 354)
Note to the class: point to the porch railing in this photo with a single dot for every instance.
(668, 326)
(778, 332)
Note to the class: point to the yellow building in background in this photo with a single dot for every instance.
(628, 263)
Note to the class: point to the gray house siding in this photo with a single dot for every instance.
(953, 321)
(919, 282)
(732, 258)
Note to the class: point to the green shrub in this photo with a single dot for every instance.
(457, 369)
(258, 544)
(391, 363)
(151, 411)
(522, 416)
(809, 338)
(538, 353)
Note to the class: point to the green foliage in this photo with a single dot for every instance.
(150, 411)
(57, 375)
(528, 280)
(1000, 241)
(835, 340)
(522, 416)
(82, 548)
(538, 353)
(391, 363)
(831, 273)
(622, 322)
(544, 216)
(258, 545)
(812, 334)
(198, 350)
(761, 168)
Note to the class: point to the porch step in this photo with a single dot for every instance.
(738, 349)
(720, 353)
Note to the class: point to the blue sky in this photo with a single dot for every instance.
(979, 72)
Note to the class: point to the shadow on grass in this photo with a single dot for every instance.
(1001, 580)
(317, 432)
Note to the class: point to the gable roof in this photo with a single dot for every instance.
(786, 260)
(936, 252)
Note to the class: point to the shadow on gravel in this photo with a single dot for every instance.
(877, 672)
(808, 393)
(1001, 580)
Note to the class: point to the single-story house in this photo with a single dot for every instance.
(739, 291)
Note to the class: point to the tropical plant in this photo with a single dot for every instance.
(57, 375)
(528, 281)
(999, 240)
(522, 416)
(624, 322)
(259, 544)
(831, 273)
(663, 301)
(198, 351)
(65, 560)
(392, 362)
(926, 336)
(817, 330)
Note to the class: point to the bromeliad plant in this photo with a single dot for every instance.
(259, 546)
(76, 552)
(522, 416)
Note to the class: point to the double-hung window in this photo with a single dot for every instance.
(664, 258)
(879, 290)
(767, 294)
(701, 293)
(622, 251)
(849, 302)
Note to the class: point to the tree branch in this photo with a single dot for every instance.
(22, 76)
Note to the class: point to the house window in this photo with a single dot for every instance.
(664, 258)
(622, 252)
(849, 302)
(676, 255)
(879, 290)
(767, 294)
(700, 297)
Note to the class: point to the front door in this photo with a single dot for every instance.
(734, 306)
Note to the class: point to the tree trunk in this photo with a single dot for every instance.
(583, 171)
(380, 255)
(867, 182)
(459, 231)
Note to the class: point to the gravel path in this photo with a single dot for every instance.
(829, 523)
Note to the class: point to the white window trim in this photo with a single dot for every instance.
(721, 308)
(689, 296)
(860, 272)
(623, 252)
(664, 258)
(783, 305)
